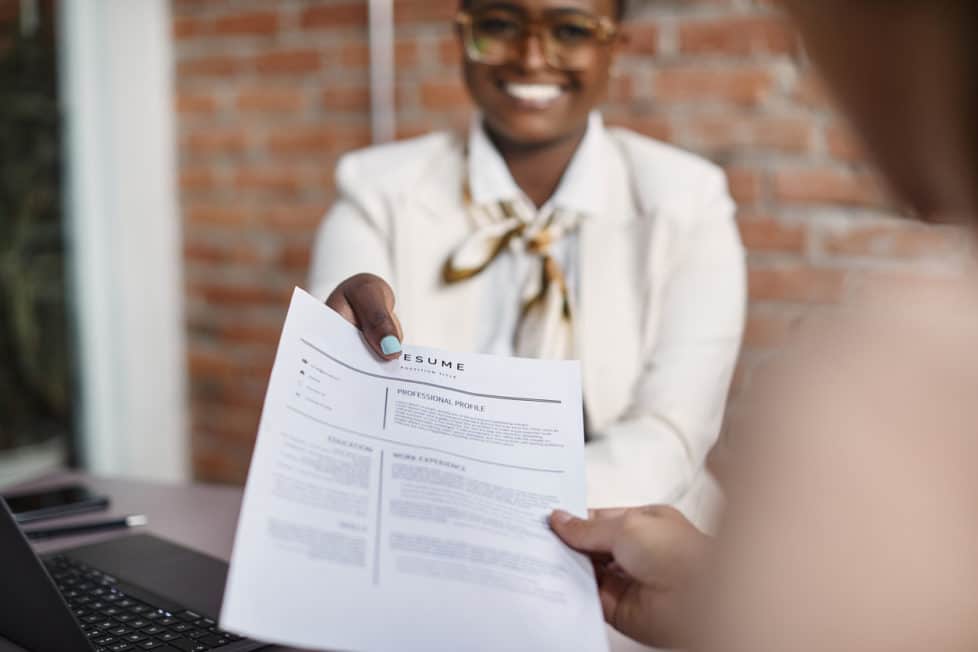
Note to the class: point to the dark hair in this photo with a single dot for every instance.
(620, 10)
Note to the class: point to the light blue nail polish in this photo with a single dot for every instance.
(390, 345)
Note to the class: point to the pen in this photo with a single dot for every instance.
(86, 528)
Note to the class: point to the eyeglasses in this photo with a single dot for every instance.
(569, 40)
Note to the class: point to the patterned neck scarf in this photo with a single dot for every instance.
(545, 326)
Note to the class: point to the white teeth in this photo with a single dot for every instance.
(537, 93)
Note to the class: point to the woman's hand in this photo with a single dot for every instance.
(647, 561)
(367, 302)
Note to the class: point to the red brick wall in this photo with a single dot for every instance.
(271, 92)
(9, 10)
(10, 21)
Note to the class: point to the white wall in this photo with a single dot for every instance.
(124, 229)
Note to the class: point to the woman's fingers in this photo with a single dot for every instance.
(338, 303)
(373, 305)
(367, 302)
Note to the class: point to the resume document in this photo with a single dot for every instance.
(402, 505)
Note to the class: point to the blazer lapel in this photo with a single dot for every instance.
(439, 192)
(432, 221)
(608, 313)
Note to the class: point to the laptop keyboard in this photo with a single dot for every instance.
(116, 622)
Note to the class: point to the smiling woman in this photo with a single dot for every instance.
(542, 233)
(536, 70)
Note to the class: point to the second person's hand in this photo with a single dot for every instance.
(367, 302)
(647, 561)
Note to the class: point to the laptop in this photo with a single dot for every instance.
(129, 594)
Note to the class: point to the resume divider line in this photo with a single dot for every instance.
(380, 500)
(387, 394)
(427, 448)
(522, 399)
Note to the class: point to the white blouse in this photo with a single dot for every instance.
(491, 182)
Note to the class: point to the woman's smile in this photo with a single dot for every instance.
(534, 95)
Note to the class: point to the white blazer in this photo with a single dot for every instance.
(661, 296)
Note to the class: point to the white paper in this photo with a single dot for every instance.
(402, 505)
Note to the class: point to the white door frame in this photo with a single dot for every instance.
(381, 37)
(123, 226)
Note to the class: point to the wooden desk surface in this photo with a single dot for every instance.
(201, 517)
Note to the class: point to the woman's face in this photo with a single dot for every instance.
(527, 100)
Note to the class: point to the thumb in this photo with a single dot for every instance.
(586, 535)
(370, 302)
